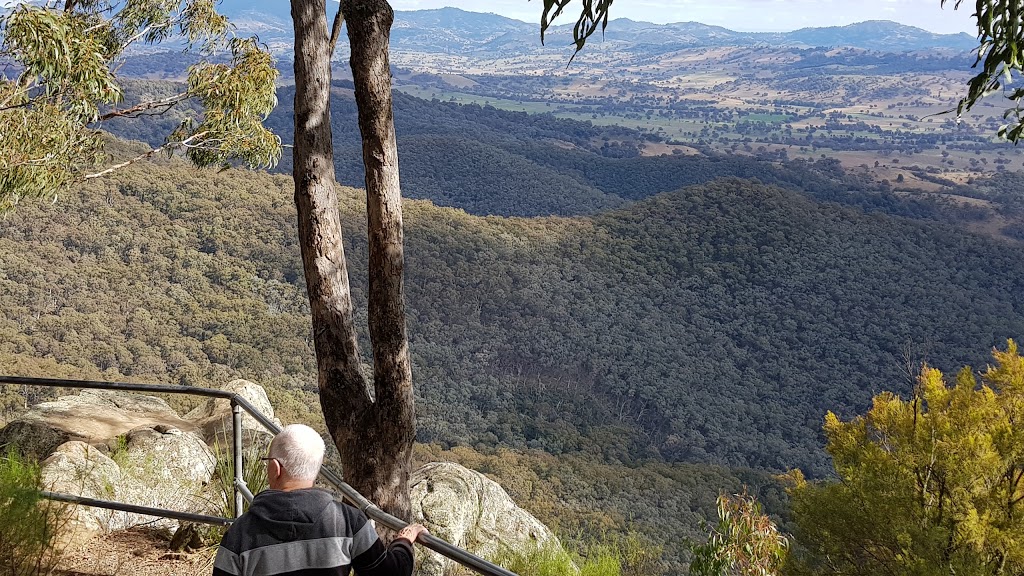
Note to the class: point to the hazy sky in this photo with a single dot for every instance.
(744, 15)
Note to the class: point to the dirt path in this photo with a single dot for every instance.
(135, 552)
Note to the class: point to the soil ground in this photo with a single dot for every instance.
(134, 552)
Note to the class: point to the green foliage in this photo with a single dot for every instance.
(495, 162)
(641, 512)
(928, 486)
(551, 559)
(119, 450)
(254, 474)
(158, 20)
(745, 542)
(639, 556)
(711, 324)
(45, 111)
(30, 527)
(62, 57)
(548, 560)
(237, 97)
(1001, 55)
(65, 82)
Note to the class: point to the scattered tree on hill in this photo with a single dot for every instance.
(933, 485)
(1000, 50)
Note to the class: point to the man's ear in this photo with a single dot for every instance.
(273, 469)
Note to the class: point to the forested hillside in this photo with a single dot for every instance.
(489, 161)
(712, 324)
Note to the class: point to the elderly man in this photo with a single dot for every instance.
(294, 529)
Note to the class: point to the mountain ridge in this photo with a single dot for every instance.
(444, 30)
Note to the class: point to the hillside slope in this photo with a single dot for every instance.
(712, 324)
(496, 162)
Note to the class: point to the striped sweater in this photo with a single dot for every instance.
(307, 533)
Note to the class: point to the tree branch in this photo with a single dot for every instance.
(184, 143)
(132, 39)
(339, 19)
(166, 103)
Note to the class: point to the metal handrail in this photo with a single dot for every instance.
(241, 491)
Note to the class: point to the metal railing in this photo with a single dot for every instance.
(241, 491)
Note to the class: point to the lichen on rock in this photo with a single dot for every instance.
(471, 511)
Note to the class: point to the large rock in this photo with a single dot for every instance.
(471, 511)
(164, 468)
(93, 417)
(160, 468)
(117, 446)
(80, 469)
(214, 417)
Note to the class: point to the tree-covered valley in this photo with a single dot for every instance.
(653, 289)
(489, 161)
(714, 324)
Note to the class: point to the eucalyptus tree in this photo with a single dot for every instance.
(374, 433)
(1000, 54)
(930, 485)
(59, 85)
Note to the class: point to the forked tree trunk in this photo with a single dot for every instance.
(385, 475)
(375, 436)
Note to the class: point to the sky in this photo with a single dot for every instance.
(744, 15)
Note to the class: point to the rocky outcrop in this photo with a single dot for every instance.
(164, 468)
(93, 417)
(160, 468)
(165, 454)
(80, 469)
(213, 417)
(135, 449)
(119, 446)
(471, 511)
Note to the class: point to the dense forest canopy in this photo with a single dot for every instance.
(716, 323)
(615, 335)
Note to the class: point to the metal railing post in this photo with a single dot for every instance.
(236, 431)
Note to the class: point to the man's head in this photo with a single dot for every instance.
(294, 459)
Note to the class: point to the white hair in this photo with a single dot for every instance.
(299, 450)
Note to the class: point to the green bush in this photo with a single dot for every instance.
(601, 561)
(30, 526)
(254, 473)
(553, 560)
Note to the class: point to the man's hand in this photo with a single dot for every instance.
(411, 532)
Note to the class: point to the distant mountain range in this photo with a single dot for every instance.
(454, 31)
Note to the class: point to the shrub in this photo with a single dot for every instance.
(254, 473)
(30, 526)
(744, 542)
(553, 560)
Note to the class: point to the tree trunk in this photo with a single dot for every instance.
(374, 437)
(394, 420)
